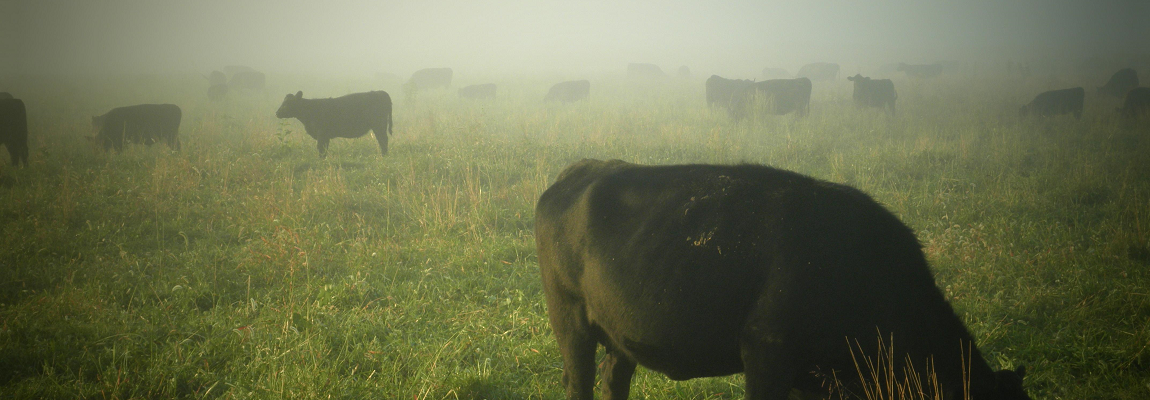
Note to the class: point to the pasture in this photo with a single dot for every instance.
(245, 266)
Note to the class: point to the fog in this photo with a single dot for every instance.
(515, 36)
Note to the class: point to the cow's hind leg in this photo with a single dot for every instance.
(576, 345)
(381, 137)
(770, 345)
(321, 145)
(617, 372)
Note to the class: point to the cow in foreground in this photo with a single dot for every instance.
(873, 92)
(484, 91)
(350, 116)
(1056, 102)
(570, 91)
(1136, 104)
(14, 130)
(703, 270)
(920, 71)
(819, 71)
(143, 123)
(782, 96)
(1120, 83)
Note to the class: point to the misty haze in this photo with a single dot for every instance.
(581, 199)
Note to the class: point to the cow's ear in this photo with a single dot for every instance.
(1021, 371)
(299, 94)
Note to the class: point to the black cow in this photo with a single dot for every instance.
(873, 92)
(249, 80)
(14, 130)
(775, 73)
(1120, 83)
(782, 96)
(725, 92)
(485, 91)
(1137, 103)
(684, 72)
(819, 71)
(217, 78)
(921, 71)
(643, 70)
(569, 91)
(217, 92)
(143, 123)
(704, 270)
(1056, 102)
(350, 116)
(429, 78)
(6, 96)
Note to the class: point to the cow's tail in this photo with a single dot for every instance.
(390, 120)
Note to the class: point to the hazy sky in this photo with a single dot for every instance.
(357, 37)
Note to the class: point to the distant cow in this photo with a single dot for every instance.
(217, 78)
(429, 78)
(570, 91)
(775, 73)
(1120, 83)
(1137, 103)
(782, 96)
(14, 129)
(642, 70)
(920, 71)
(217, 92)
(684, 72)
(873, 92)
(6, 96)
(249, 80)
(705, 270)
(819, 72)
(144, 123)
(1056, 102)
(350, 116)
(485, 91)
(722, 91)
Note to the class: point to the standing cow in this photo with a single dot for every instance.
(702, 270)
(873, 92)
(350, 116)
(14, 130)
(484, 91)
(217, 78)
(731, 94)
(819, 71)
(143, 123)
(782, 96)
(1056, 102)
(570, 91)
(429, 78)
(1137, 103)
(1120, 83)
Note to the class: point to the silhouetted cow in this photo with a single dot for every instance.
(920, 71)
(484, 91)
(819, 71)
(704, 270)
(217, 78)
(217, 92)
(873, 92)
(782, 96)
(642, 70)
(1137, 103)
(775, 73)
(249, 80)
(143, 123)
(724, 92)
(1120, 83)
(1056, 102)
(350, 116)
(14, 130)
(429, 78)
(569, 91)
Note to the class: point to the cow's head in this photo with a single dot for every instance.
(857, 78)
(1008, 385)
(289, 108)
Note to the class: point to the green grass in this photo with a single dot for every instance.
(247, 267)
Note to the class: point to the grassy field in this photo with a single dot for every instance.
(247, 267)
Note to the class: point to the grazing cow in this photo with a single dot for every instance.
(14, 130)
(250, 80)
(569, 91)
(429, 78)
(775, 73)
(6, 96)
(350, 116)
(642, 70)
(782, 96)
(724, 92)
(143, 123)
(819, 72)
(920, 71)
(1120, 83)
(684, 72)
(873, 92)
(218, 92)
(705, 270)
(485, 91)
(1056, 102)
(1137, 103)
(217, 78)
